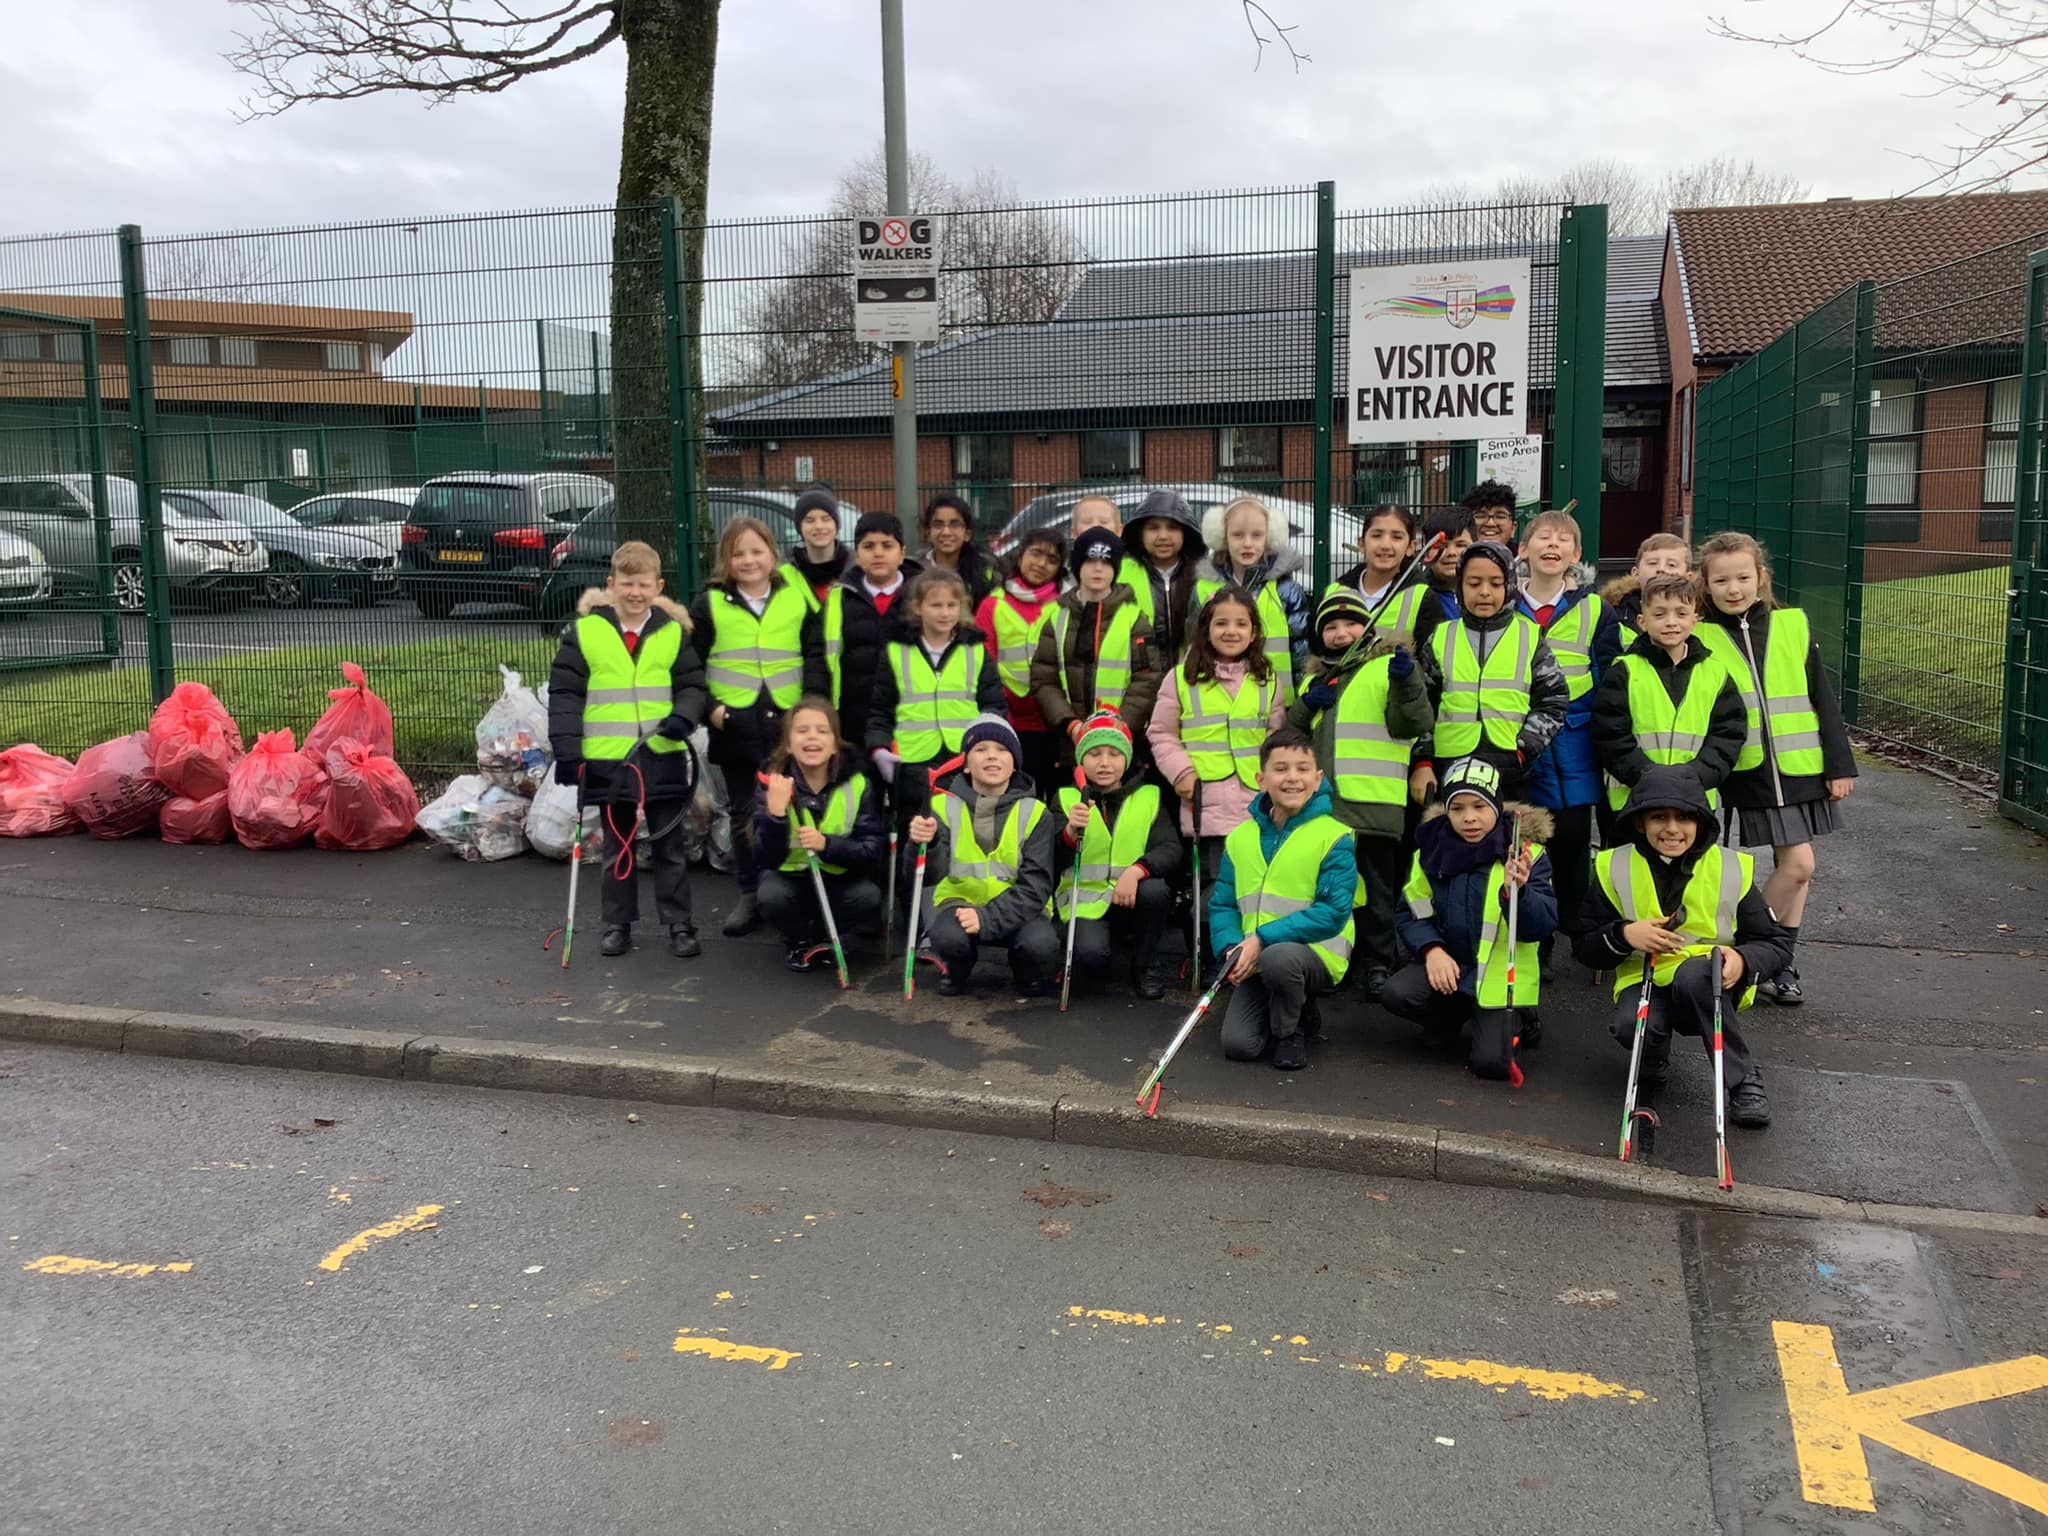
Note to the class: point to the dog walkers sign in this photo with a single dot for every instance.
(896, 278)
(1439, 353)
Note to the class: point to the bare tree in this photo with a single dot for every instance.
(337, 50)
(1007, 262)
(1725, 182)
(1991, 55)
(1254, 15)
(235, 271)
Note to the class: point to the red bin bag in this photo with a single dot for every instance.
(185, 820)
(193, 742)
(32, 793)
(370, 802)
(113, 790)
(356, 713)
(276, 793)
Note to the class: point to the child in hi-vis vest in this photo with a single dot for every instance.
(1010, 616)
(1094, 647)
(1118, 855)
(817, 803)
(1248, 548)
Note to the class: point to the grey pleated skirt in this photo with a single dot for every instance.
(1786, 826)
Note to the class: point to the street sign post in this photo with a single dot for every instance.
(896, 278)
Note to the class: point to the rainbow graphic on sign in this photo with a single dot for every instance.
(1458, 306)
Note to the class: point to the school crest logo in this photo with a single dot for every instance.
(1460, 306)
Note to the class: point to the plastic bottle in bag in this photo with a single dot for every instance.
(512, 738)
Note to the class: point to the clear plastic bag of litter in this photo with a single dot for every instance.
(477, 819)
(512, 738)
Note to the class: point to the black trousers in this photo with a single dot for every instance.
(1383, 861)
(1408, 995)
(1686, 1007)
(1041, 756)
(1035, 949)
(729, 756)
(1132, 932)
(1571, 863)
(667, 858)
(1268, 1004)
(790, 903)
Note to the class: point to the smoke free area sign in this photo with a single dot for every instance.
(1439, 353)
(896, 278)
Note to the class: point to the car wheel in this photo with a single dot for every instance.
(131, 594)
(433, 602)
(285, 584)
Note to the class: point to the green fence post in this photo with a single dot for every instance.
(1859, 497)
(94, 446)
(212, 464)
(597, 395)
(1581, 366)
(540, 346)
(2023, 725)
(1326, 368)
(156, 589)
(682, 461)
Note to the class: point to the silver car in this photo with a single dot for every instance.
(203, 557)
(24, 573)
(305, 563)
(378, 515)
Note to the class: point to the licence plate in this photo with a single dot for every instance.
(463, 556)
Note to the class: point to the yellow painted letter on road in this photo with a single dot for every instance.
(688, 1343)
(64, 1264)
(412, 1221)
(1830, 1423)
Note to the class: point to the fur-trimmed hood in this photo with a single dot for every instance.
(1212, 525)
(1538, 825)
(1619, 588)
(594, 598)
(1279, 561)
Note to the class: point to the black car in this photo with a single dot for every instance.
(305, 563)
(583, 558)
(485, 538)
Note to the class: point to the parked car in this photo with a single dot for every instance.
(1056, 508)
(24, 573)
(378, 515)
(305, 563)
(204, 557)
(582, 558)
(485, 538)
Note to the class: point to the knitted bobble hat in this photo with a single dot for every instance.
(1105, 728)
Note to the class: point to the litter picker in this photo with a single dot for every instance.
(1638, 1124)
(917, 883)
(568, 928)
(1074, 902)
(818, 885)
(1514, 932)
(1187, 1027)
(1722, 1172)
(889, 907)
(1195, 953)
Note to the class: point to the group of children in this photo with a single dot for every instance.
(1146, 728)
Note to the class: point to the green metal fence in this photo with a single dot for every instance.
(265, 406)
(1874, 449)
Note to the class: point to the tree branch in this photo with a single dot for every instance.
(1279, 37)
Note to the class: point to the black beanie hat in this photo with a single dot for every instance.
(815, 498)
(1097, 544)
(878, 522)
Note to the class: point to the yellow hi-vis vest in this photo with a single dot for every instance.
(974, 874)
(1267, 893)
(1719, 881)
(933, 709)
(1570, 637)
(1133, 574)
(1402, 609)
(1669, 733)
(1112, 660)
(1483, 703)
(1785, 714)
(1272, 624)
(1491, 988)
(750, 656)
(842, 807)
(1104, 855)
(1368, 763)
(628, 694)
(1016, 640)
(1223, 731)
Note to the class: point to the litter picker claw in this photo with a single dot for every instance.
(1638, 1124)
(1724, 1174)
(1148, 1096)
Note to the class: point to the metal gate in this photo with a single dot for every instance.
(2023, 775)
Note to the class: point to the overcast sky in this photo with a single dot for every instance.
(123, 110)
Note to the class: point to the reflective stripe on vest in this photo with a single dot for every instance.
(1134, 575)
(977, 875)
(1483, 702)
(842, 807)
(1267, 893)
(933, 709)
(1713, 895)
(1785, 713)
(1400, 613)
(629, 693)
(749, 654)
(1104, 853)
(1669, 733)
(1222, 731)
(1112, 660)
(1491, 989)
(835, 639)
(1368, 763)
(1570, 636)
(1279, 639)
(1016, 640)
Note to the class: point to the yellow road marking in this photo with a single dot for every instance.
(1830, 1423)
(64, 1264)
(1123, 1319)
(411, 1221)
(688, 1343)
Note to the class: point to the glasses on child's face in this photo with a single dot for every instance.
(948, 525)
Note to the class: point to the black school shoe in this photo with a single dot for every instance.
(1376, 979)
(1290, 1052)
(1152, 980)
(1531, 1026)
(1749, 1106)
(617, 939)
(1786, 991)
(682, 943)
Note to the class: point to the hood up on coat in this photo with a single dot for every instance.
(1673, 787)
(1167, 504)
(599, 597)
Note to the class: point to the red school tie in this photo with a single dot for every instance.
(632, 639)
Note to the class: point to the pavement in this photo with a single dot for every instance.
(239, 1301)
(1911, 1078)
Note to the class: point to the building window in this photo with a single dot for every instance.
(188, 351)
(981, 473)
(2001, 461)
(1250, 457)
(345, 356)
(238, 351)
(21, 346)
(1892, 462)
(376, 357)
(1387, 474)
(70, 347)
(1112, 455)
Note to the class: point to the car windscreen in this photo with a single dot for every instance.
(234, 507)
(505, 506)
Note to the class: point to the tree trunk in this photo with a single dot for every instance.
(664, 153)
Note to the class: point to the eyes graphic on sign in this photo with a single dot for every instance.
(874, 293)
(919, 292)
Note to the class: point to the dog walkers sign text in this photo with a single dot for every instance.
(1439, 353)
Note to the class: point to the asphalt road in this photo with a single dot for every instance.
(390, 1307)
